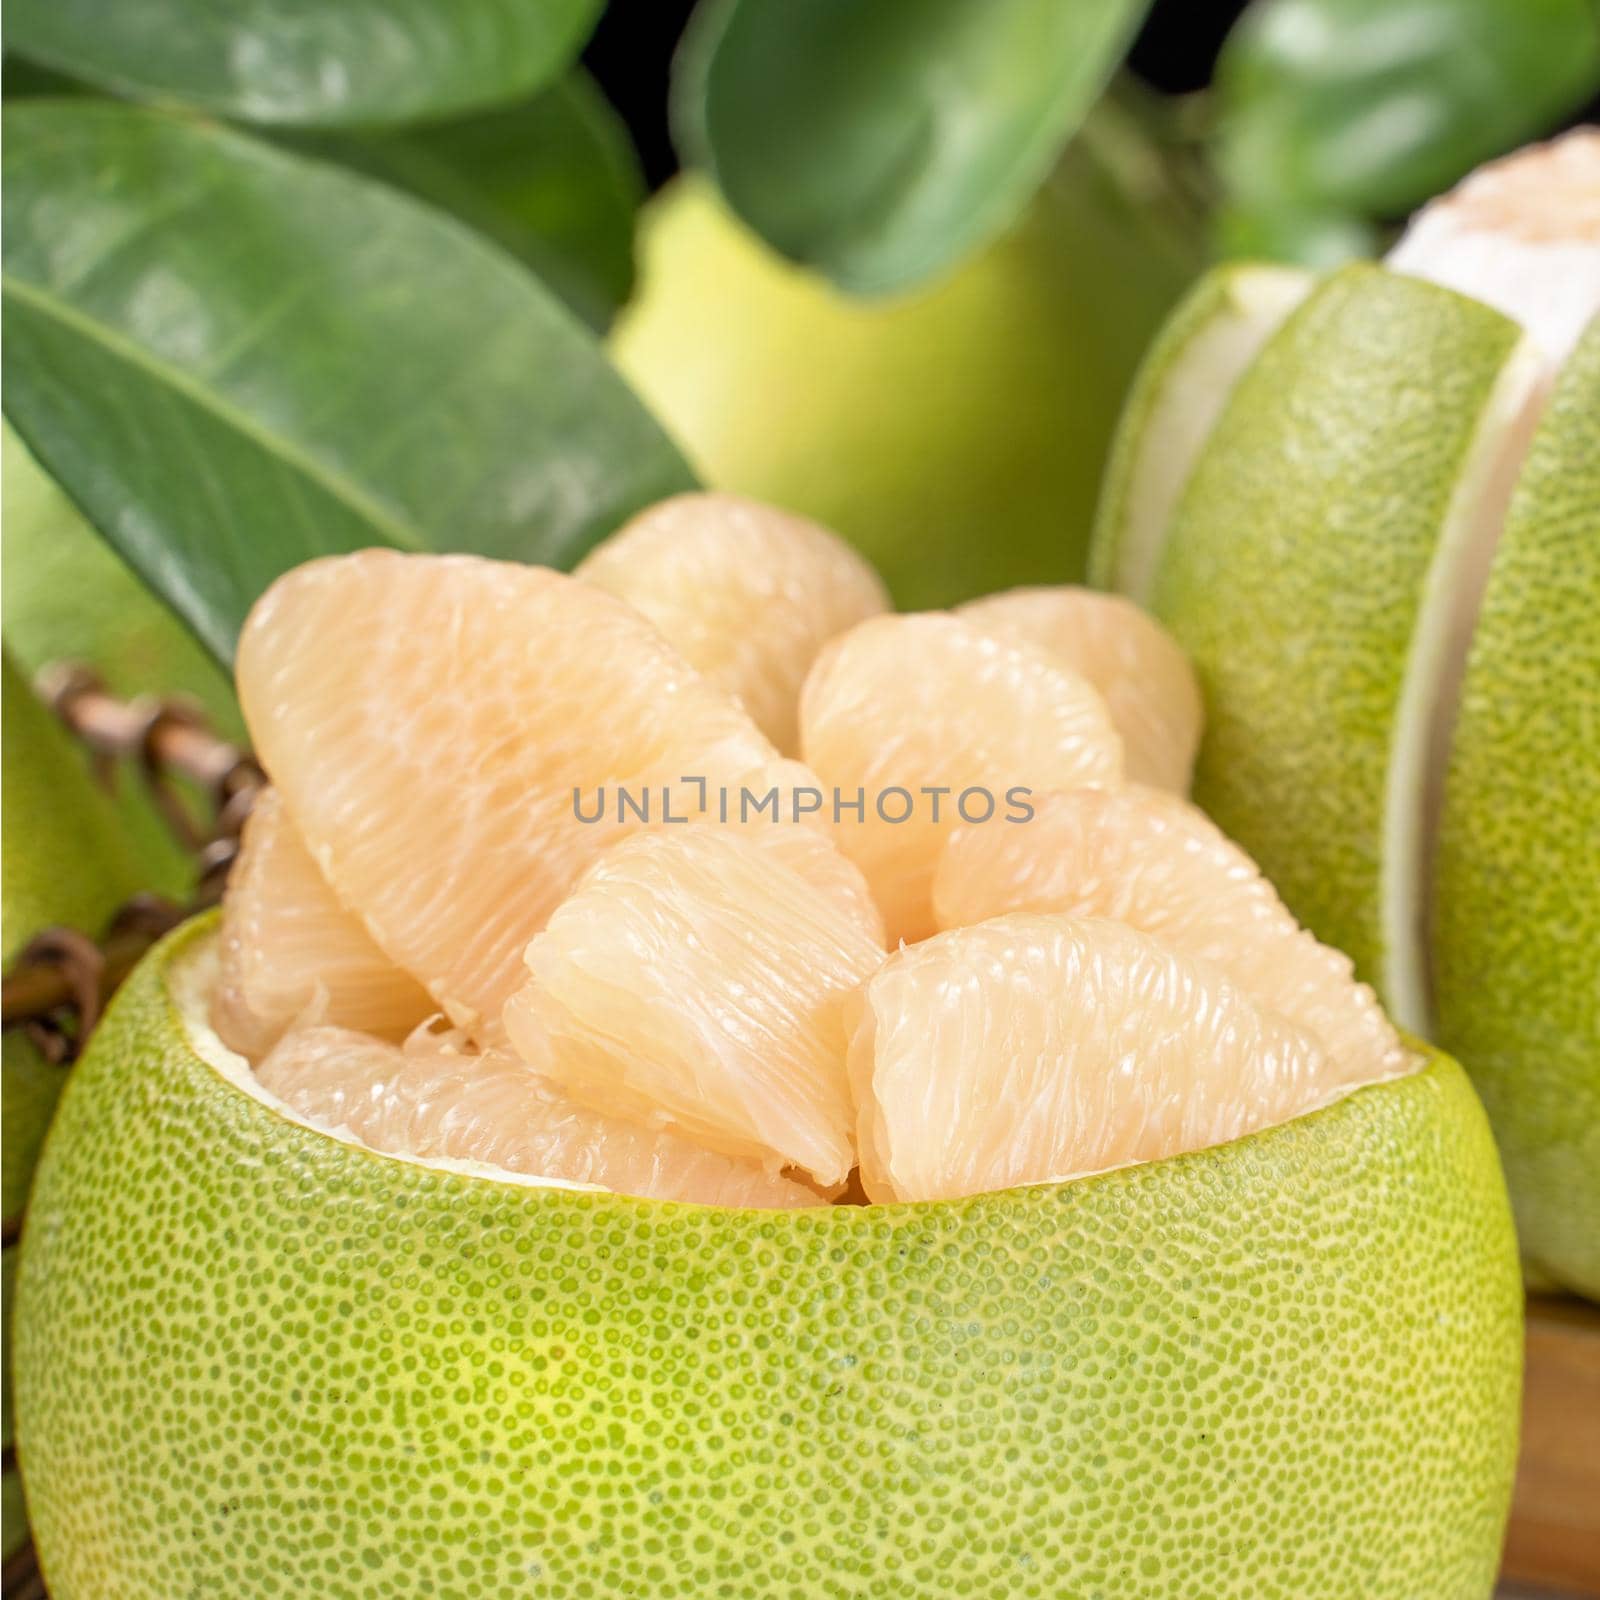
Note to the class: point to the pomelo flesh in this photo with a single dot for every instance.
(291, 953)
(436, 1098)
(1144, 678)
(1031, 1048)
(433, 723)
(398, 1375)
(696, 981)
(746, 593)
(930, 702)
(1154, 862)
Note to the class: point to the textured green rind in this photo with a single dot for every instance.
(1516, 934)
(1295, 567)
(1212, 299)
(253, 1360)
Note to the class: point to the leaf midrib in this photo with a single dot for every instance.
(338, 486)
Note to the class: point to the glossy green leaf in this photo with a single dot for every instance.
(234, 359)
(1373, 106)
(554, 180)
(322, 63)
(882, 142)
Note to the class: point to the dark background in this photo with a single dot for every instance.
(630, 56)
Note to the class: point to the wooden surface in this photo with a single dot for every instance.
(1554, 1542)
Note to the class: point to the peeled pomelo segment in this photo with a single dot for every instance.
(1521, 234)
(1153, 861)
(290, 952)
(901, 707)
(1320, 572)
(1516, 912)
(1145, 679)
(435, 1100)
(814, 855)
(1033, 1048)
(1179, 393)
(696, 981)
(747, 593)
(437, 725)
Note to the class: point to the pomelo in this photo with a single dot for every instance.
(1346, 587)
(1314, 570)
(954, 433)
(258, 1358)
(63, 862)
(1516, 946)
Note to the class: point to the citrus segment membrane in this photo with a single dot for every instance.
(1032, 1048)
(1521, 234)
(436, 1099)
(292, 953)
(1145, 679)
(924, 718)
(1153, 861)
(434, 724)
(695, 980)
(747, 593)
(1176, 399)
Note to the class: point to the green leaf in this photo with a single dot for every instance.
(315, 63)
(1373, 106)
(234, 359)
(882, 142)
(555, 181)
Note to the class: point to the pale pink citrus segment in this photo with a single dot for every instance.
(1033, 1048)
(921, 719)
(290, 952)
(435, 1100)
(694, 980)
(438, 724)
(1152, 860)
(747, 593)
(1141, 672)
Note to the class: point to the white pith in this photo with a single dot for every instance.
(1194, 390)
(193, 978)
(1435, 665)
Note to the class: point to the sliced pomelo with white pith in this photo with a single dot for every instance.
(292, 953)
(433, 724)
(1179, 393)
(696, 980)
(1522, 234)
(747, 593)
(1516, 906)
(1144, 678)
(1322, 570)
(1032, 1048)
(1154, 862)
(435, 1099)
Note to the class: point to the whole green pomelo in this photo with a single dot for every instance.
(1516, 913)
(955, 433)
(69, 597)
(255, 1358)
(63, 861)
